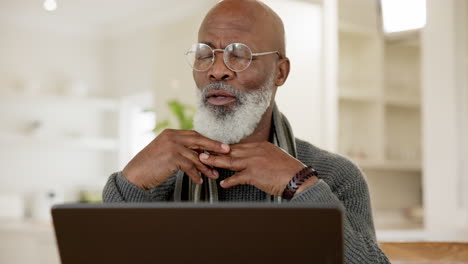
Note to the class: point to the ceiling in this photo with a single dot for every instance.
(91, 15)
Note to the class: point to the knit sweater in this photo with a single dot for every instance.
(341, 183)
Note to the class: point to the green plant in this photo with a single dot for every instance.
(184, 114)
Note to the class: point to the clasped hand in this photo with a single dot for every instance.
(261, 164)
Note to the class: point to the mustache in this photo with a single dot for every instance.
(221, 86)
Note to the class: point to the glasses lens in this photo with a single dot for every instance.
(237, 56)
(200, 57)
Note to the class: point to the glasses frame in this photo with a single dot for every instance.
(225, 58)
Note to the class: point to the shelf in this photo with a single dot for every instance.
(389, 165)
(396, 219)
(357, 95)
(83, 102)
(26, 226)
(407, 102)
(379, 117)
(403, 134)
(358, 129)
(421, 235)
(356, 29)
(93, 143)
(359, 63)
(369, 97)
(410, 38)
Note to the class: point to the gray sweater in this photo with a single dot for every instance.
(341, 183)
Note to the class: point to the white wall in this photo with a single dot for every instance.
(39, 62)
(50, 58)
(444, 83)
(151, 58)
(464, 98)
(128, 62)
(300, 98)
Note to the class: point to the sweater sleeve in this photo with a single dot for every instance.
(359, 235)
(119, 189)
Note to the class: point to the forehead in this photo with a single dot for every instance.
(221, 32)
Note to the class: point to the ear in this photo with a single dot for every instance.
(282, 71)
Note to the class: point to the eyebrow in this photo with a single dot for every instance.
(209, 43)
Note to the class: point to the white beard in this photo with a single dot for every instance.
(240, 121)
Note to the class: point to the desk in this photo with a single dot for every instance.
(426, 252)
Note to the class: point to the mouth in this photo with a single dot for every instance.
(220, 97)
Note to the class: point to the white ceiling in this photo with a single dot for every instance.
(86, 15)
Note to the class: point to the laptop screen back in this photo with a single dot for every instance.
(198, 233)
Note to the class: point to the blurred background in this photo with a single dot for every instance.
(83, 83)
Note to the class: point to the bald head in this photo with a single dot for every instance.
(247, 17)
(256, 25)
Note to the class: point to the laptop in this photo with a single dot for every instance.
(198, 233)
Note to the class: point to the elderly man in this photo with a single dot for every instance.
(242, 148)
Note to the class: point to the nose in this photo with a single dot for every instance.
(219, 71)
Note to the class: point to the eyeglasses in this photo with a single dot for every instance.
(237, 56)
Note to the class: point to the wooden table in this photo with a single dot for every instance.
(426, 252)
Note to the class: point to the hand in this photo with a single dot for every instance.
(171, 151)
(262, 165)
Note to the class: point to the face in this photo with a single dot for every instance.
(221, 31)
(232, 104)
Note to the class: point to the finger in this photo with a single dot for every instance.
(243, 150)
(224, 161)
(196, 141)
(189, 168)
(193, 157)
(236, 179)
(244, 146)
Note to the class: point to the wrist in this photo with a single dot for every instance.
(131, 179)
(309, 182)
(306, 176)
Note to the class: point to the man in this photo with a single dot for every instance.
(243, 145)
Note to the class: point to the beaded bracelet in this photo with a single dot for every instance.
(297, 181)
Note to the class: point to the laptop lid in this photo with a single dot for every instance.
(198, 233)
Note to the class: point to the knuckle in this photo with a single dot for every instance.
(167, 134)
(172, 155)
(264, 152)
(172, 169)
(213, 158)
(189, 169)
(252, 181)
(194, 174)
(196, 136)
(167, 131)
(248, 181)
(255, 145)
(190, 166)
(231, 161)
(235, 150)
(263, 146)
(201, 167)
(171, 141)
